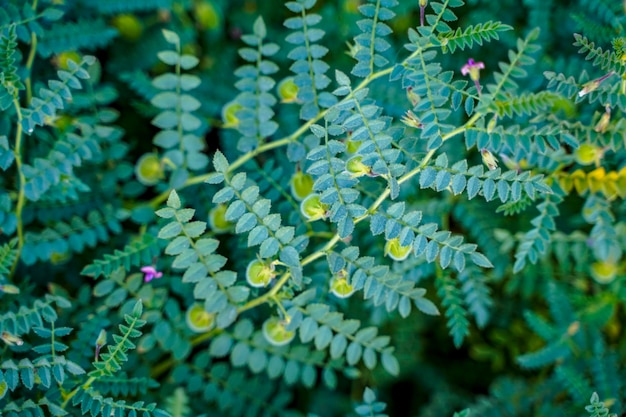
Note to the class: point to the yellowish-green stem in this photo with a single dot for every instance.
(21, 198)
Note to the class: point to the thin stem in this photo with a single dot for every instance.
(158, 200)
(21, 197)
(29, 62)
(267, 296)
(71, 395)
(271, 294)
(281, 308)
(19, 134)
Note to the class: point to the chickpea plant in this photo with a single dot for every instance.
(196, 223)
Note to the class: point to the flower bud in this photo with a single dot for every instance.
(9, 289)
(100, 342)
(489, 159)
(11, 339)
(603, 123)
(422, 4)
(492, 123)
(412, 96)
(411, 120)
(593, 85)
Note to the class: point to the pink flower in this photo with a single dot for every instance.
(150, 273)
(473, 69)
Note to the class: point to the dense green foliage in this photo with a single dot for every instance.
(353, 207)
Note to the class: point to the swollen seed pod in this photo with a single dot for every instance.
(587, 154)
(149, 169)
(301, 185)
(356, 167)
(259, 274)
(61, 60)
(395, 251)
(229, 114)
(312, 208)
(217, 219)
(275, 332)
(288, 91)
(198, 319)
(129, 26)
(340, 287)
(604, 272)
(206, 15)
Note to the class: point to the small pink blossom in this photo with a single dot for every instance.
(150, 273)
(473, 69)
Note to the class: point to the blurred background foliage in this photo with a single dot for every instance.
(553, 302)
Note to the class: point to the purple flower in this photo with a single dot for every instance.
(473, 69)
(150, 273)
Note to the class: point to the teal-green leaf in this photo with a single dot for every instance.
(188, 62)
(481, 260)
(221, 345)
(390, 363)
(168, 57)
(289, 255)
(338, 346)
(170, 231)
(165, 100)
(171, 37)
(426, 306)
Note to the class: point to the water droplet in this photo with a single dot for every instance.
(30, 131)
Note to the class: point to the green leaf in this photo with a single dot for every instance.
(259, 28)
(173, 200)
(219, 162)
(171, 37)
(390, 363)
(481, 260)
